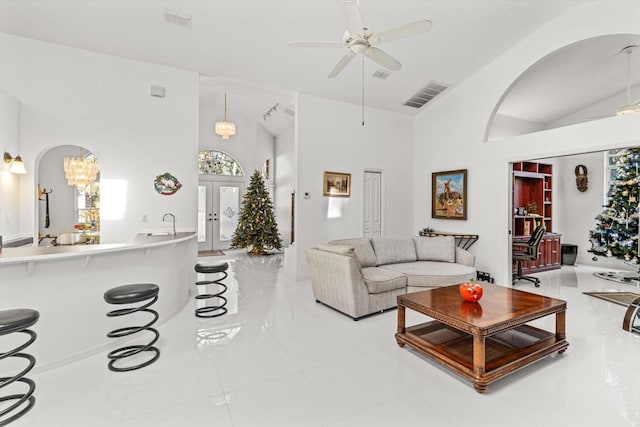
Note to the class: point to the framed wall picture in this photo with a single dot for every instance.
(336, 184)
(449, 194)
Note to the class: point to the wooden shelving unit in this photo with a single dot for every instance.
(533, 205)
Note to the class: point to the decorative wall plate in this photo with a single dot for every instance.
(166, 184)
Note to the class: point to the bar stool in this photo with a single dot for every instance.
(130, 294)
(219, 309)
(18, 320)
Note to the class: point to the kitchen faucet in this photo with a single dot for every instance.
(173, 220)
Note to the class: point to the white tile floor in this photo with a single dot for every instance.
(280, 359)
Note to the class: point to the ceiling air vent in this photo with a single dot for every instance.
(426, 94)
(379, 74)
(176, 18)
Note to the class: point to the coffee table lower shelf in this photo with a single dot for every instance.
(504, 352)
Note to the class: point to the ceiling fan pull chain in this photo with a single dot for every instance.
(362, 90)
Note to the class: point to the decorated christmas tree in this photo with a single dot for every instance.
(617, 231)
(257, 228)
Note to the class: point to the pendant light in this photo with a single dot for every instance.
(224, 128)
(80, 171)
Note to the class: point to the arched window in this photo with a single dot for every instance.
(212, 162)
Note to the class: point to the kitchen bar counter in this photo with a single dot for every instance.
(66, 285)
(48, 253)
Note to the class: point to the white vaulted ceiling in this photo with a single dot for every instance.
(242, 46)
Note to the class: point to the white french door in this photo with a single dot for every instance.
(218, 213)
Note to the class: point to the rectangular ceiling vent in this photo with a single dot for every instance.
(176, 18)
(426, 94)
(379, 74)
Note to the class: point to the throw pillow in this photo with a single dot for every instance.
(340, 250)
(362, 247)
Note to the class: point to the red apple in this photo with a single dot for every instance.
(471, 291)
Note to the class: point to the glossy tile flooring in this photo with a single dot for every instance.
(280, 359)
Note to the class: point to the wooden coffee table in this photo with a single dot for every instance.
(485, 340)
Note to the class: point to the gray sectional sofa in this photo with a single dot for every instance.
(361, 276)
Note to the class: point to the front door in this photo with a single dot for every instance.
(218, 213)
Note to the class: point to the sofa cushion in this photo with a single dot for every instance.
(432, 273)
(362, 248)
(379, 280)
(440, 248)
(390, 250)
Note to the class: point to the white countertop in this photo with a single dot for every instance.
(48, 253)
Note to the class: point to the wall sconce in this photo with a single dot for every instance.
(17, 166)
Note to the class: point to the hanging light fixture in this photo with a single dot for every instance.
(224, 128)
(80, 171)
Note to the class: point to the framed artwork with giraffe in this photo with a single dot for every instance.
(449, 194)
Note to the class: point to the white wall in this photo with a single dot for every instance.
(449, 134)
(330, 137)
(10, 227)
(581, 209)
(75, 97)
(285, 175)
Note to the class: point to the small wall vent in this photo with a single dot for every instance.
(426, 94)
(176, 18)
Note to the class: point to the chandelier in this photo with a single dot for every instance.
(80, 171)
(224, 128)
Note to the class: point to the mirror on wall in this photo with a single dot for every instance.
(67, 214)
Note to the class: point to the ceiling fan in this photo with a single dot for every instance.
(359, 39)
(631, 107)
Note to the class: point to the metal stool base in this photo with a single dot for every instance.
(20, 398)
(218, 309)
(131, 350)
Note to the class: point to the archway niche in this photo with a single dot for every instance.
(580, 82)
(65, 208)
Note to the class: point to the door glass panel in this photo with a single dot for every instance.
(202, 213)
(229, 207)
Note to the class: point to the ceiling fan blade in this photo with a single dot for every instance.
(352, 17)
(341, 64)
(316, 44)
(382, 58)
(400, 32)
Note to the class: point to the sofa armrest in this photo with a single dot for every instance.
(337, 282)
(465, 257)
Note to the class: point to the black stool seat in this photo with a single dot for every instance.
(211, 268)
(131, 293)
(17, 319)
(146, 294)
(14, 406)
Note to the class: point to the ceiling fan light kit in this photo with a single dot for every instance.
(628, 109)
